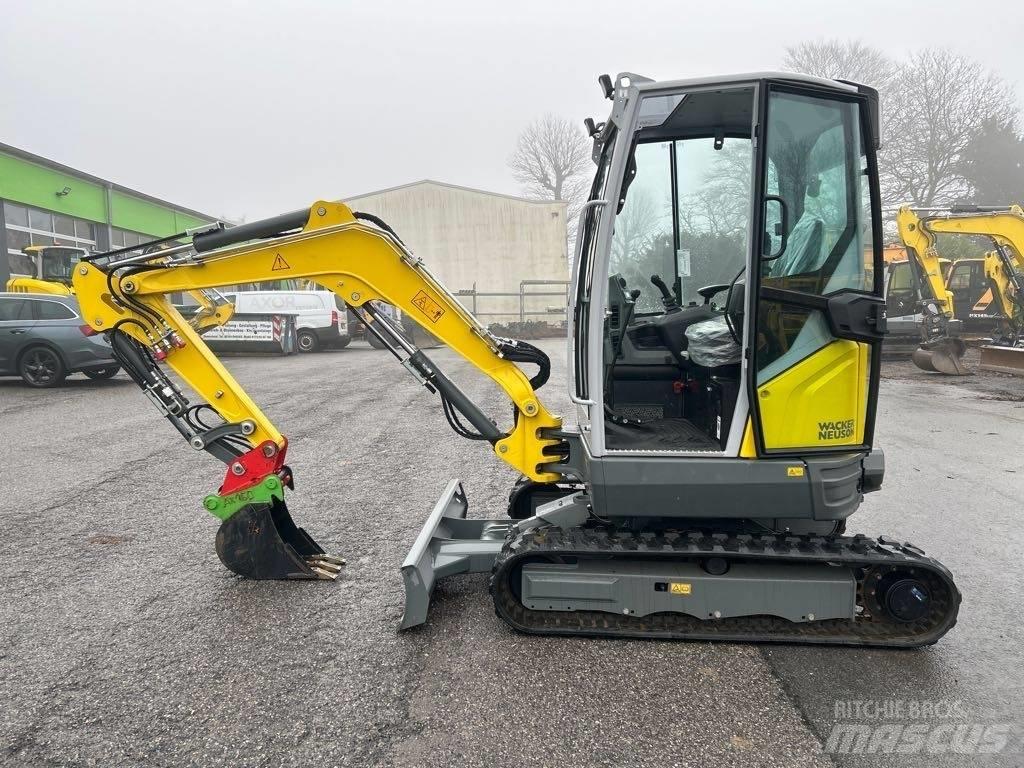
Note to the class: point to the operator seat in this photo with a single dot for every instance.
(805, 251)
(672, 326)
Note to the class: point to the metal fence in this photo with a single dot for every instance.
(531, 302)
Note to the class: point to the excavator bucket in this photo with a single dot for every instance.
(261, 541)
(942, 356)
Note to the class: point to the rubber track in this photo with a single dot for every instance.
(871, 559)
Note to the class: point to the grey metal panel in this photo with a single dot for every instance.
(799, 593)
(836, 485)
(659, 486)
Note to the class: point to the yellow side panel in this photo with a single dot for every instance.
(820, 402)
(748, 448)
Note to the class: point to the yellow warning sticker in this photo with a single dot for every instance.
(427, 306)
(279, 263)
(680, 588)
(795, 471)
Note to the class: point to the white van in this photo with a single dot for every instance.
(320, 317)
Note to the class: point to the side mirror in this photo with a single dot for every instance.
(775, 244)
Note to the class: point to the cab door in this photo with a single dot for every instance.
(819, 307)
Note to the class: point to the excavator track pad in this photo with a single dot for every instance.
(261, 541)
(686, 585)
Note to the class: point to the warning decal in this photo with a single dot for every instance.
(279, 263)
(427, 306)
(680, 588)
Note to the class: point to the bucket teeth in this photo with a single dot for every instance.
(331, 559)
(325, 566)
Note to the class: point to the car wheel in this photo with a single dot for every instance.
(41, 367)
(308, 341)
(103, 373)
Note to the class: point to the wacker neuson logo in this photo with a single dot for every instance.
(835, 430)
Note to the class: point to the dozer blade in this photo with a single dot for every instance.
(448, 544)
(944, 356)
(261, 541)
(1002, 359)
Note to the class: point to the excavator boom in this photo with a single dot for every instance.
(360, 260)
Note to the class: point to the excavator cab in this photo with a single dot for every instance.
(52, 269)
(737, 224)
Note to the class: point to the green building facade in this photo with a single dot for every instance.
(45, 203)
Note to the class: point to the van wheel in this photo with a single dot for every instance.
(308, 341)
(41, 367)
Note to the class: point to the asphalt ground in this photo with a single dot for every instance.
(124, 642)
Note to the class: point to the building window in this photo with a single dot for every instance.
(32, 226)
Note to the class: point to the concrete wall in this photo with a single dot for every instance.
(469, 237)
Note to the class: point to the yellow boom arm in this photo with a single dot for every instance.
(1004, 267)
(357, 261)
(920, 244)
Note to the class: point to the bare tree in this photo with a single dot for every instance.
(636, 228)
(836, 59)
(939, 103)
(933, 106)
(552, 162)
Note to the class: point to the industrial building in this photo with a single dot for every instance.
(505, 256)
(43, 202)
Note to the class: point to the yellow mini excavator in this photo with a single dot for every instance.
(724, 379)
(1004, 271)
(53, 267)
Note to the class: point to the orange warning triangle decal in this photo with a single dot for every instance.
(279, 263)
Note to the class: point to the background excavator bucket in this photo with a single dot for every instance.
(261, 541)
(943, 356)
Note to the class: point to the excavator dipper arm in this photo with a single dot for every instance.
(361, 260)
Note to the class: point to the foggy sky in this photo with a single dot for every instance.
(254, 108)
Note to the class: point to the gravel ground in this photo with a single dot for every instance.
(123, 641)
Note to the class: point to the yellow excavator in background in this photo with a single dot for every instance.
(54, 265)
(724, 419)
(941, 349)
(1004, 271)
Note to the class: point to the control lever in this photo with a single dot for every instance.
(667, 297)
